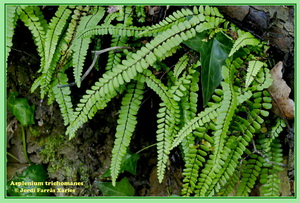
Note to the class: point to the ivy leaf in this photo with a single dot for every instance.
(213, 55)
(129, 163)
(32, 174)
(122, 188)
(21, 109)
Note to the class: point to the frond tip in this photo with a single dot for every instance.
(126, 125)
(253, 69)
(244, 39)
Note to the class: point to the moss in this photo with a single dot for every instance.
(51, 144)
(60, 164)
(34, 131)
(52, 155)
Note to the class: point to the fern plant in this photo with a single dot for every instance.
(222, 143)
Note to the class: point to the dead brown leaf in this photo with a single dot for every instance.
(283, 106)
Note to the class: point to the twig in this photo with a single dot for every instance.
(96, 54)
(24, 52)
(255, 151)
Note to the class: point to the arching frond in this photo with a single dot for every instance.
(126, 125)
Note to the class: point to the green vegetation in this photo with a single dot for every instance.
(212, 107)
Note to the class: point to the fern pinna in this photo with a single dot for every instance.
(223, 145)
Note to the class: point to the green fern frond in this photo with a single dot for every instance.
(180, 88)
(55, 28)
(230, 155)
(193, 90)
(168, 117)
(135, 63)
(244, 39)
(104, 29)
(126, 125)
(183, 27)
(210, 11)
(271, 187)
(169, 21)
(61, 56)
(188, 106)
(63, 98)
(110, 17)
(33, 18)
(227, 189)
(273, 134)
(250, 173)
(53, 47)
(162, 91)
(226, 112)
(277, 128)
(202, 118)
(11, 21)
(114, 58)
(165, 130)
(44, 80)
(263, 79)
(269, 178)
(181, 65)
(233, 130)
(59, 60)
(140, 13)
(128, 19)
(81, 45)
(253, 69)
(195, 160)
(275, 155)
(241, 98)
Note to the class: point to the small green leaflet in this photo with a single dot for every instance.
(213, 54)
(21, 109)
(253, 69)
(122, 188)
(244, 39)
(129, 163)
(33, 173)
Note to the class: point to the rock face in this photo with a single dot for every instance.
(270, 23)
(274, 24)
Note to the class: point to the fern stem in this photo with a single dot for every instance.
(97, 53)
(146, 148)
(24, 145)
(12, 156)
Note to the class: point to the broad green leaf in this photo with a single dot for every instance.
(122, 188)
(32, 174)
(21, 109)
(213, 54)
(129, 163)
